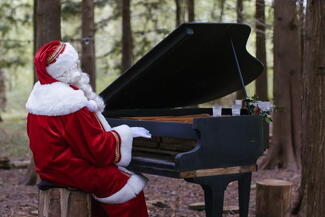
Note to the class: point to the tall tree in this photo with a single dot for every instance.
(301, 21)
(181, 11)
(35, 33)
(222, 8)
(191, 10)
(48, 20)
(3, 99)
(240, 19)
(313, 160)
(239, 11)
(178, 12)
(261, 82)
(127, 41)
(88, 59)
(285, 148)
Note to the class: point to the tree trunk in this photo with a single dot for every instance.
(191, 10)
(285, 147)
(178, 12)
(222, 9)
(127, 42)
(313, 158)
(261, 82)
(3, 99)
(88, 58)
(34, 35)
(239, 11)
(48, 20)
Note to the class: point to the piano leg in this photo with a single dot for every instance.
(214, 188)
(213, 201)
(244, 187)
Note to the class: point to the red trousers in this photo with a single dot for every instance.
(135, 207)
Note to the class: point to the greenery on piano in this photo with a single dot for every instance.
(255, 107)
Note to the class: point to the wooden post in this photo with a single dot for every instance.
(273, 198)
(61, 202)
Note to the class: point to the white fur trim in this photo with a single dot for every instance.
(131, 189)
(55, 99)
(65, 61)
(103, 121)
(126, 144)
(92, 106)
(125, 170)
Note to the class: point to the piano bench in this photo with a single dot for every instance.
(62, 201)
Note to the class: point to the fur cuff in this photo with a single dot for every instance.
(130, 190)
(126, 144)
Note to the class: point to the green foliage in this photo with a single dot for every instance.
(253, 108)
(152, 24)
(14, 15)
(70, 9)
(151, 21)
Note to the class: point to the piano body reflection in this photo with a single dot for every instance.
(196, 63)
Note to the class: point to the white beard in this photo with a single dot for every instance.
(81, 80)
(84, 85)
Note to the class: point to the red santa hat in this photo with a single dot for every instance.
(53, 59)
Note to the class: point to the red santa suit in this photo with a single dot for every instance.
(72, 143)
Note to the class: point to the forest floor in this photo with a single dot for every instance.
(166, 197)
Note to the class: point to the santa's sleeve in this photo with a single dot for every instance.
(126, 140)
(87, 137)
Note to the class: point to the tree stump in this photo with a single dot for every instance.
(273, 198)
(61, 202)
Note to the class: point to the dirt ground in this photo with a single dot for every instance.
(174, 194)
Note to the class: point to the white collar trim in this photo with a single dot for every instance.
(55, 99)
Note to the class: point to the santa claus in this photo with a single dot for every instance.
(72, 143)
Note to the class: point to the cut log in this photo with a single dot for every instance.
(4, 163)
(273, 198)
(20, 164)
(61, 202)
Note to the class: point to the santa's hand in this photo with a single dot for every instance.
(140, 132)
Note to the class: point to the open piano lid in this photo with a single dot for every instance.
(192, 65)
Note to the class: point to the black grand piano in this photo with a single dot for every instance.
(196, 63)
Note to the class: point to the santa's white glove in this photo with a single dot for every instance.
(140, 132)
